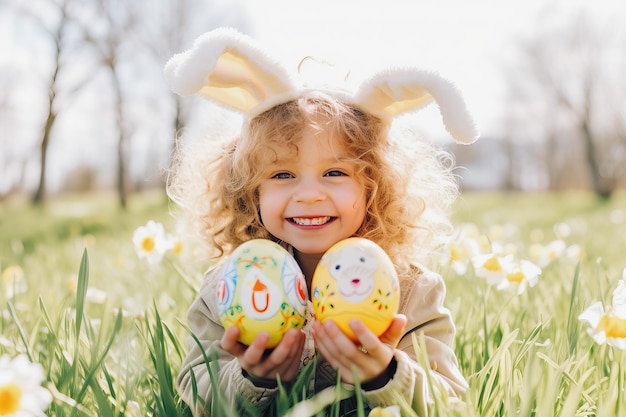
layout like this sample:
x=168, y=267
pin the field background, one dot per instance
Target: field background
x=524, y=355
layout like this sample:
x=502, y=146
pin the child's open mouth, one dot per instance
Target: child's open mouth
x=311, y=221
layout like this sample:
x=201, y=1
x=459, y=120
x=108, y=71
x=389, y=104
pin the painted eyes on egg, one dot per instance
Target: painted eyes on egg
x=361, y=259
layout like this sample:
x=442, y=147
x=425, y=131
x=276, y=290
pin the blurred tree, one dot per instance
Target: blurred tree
x=126, y=34
x=116, y=49
x=170, y=26
x=58, y=24
x=567, y=84
x=54, y=21
x=57, y=36
x=11, y=170
x=108, y=26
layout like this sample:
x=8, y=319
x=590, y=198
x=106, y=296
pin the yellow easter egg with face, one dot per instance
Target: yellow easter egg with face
x=356, y=279
x=262, y=288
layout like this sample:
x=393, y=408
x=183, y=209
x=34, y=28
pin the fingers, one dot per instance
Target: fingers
x=347, y=357
x=283, y=360
x=394, y=333
x=342, y=353
x=326, y=336
x=367, y=339
x=254, y=353
x=230, y=344
x=289, y=354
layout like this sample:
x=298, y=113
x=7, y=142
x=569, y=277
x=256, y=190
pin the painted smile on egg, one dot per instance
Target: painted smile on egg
x=360, y=288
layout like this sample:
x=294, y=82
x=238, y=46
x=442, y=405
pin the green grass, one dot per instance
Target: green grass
x=523, y=355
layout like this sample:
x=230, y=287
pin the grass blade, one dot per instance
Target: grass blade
x=81, y=292
x=572, y=322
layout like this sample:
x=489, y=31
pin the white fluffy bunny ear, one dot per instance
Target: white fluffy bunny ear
x=401, y=90
x=229, y=68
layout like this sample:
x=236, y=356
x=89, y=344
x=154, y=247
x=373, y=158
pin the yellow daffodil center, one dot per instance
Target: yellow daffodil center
x=492, y=265
x=178, y=248
x=12, y=274
x=484, y=243
x=613, y=326
x=147, y=244
x=517, y=276
x=10, y=396
x=72, y=284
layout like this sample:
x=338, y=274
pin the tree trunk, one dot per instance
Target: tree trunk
x=38, y=197
x=41, y=188
x=121, y=142
x=601, y=188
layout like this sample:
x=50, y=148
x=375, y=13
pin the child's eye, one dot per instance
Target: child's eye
x=335, y=173
x=282, y=176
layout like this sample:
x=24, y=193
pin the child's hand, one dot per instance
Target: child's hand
x=283, y=360
x=344, y=355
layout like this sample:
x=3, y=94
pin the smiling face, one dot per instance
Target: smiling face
x=353, y=268
x=310, y=196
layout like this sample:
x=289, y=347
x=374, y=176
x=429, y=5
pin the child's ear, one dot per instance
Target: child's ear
x=229, y=68
x=401, y=90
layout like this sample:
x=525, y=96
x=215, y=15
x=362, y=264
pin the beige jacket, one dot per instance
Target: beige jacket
x=421, y=300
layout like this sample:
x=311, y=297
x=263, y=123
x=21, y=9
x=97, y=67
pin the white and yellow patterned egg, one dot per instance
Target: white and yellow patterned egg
x=262, y=288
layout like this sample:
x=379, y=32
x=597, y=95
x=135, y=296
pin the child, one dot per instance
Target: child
x=314, y=165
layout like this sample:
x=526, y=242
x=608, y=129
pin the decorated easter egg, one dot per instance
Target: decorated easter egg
x=262, y=288
x=356, y=279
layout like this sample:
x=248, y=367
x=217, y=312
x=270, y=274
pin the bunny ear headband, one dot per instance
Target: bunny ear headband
x=229, y=68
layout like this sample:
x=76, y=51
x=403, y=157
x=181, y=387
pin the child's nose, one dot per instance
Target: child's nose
x=309, y=190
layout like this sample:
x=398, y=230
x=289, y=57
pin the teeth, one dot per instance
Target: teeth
x=311, y=221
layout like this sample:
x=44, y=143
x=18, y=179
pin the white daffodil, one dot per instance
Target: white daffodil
x=608, y=326
x=605, y=327
x=21, y=393
x=13, y=281
x=96, y=295
x=175, y=241
x=150, y=242
x=175, y=244
x=619, y=299
x=617, y=216
x=552, y=251
x=459, y=252
x=471, y=232
x=575, y=252
x=132, y=409
x=526, y=274
x=562, y=230
x=391, y=411
x=493, y=267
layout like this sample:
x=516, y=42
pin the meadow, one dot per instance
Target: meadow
x=108, y=328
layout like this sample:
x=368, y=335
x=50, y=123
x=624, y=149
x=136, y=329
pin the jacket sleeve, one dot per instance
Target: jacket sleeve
x=422, y=302
x=206, y=326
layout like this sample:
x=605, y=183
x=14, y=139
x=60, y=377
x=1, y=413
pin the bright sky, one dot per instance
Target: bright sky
x=465, y=41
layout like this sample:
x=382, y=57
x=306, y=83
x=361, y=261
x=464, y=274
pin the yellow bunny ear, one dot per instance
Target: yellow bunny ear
x=401, y=90
x=228, y=67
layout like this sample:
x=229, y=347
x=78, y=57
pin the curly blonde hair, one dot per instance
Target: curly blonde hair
x=409, y=184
